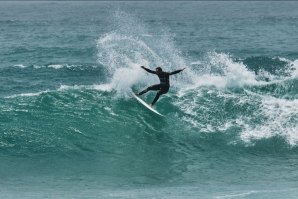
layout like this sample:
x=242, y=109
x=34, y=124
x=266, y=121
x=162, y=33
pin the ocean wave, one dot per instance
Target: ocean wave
x=20, y=66
x=98, y=87
x=56, y=66
x=218, y=94
x=240, y=117
x=27, y=94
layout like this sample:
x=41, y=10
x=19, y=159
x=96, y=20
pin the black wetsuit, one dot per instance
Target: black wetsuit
x=164, y=85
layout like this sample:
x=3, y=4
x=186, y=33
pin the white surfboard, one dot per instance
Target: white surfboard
x=146, y=105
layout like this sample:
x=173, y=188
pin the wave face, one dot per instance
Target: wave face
x=67, y=116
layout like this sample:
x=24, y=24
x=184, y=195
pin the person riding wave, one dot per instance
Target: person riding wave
x=163, y=86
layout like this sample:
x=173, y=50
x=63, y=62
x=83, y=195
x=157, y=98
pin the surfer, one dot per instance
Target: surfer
x=164, y=85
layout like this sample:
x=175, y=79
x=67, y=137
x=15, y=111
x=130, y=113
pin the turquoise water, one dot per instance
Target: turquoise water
x=69, y=127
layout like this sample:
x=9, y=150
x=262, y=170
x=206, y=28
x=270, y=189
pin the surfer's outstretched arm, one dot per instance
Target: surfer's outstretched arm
x=176, y=71
x=148, y=70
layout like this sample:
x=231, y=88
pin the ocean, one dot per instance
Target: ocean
x=69, y=127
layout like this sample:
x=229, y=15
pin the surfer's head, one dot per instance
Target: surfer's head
x=158, y=69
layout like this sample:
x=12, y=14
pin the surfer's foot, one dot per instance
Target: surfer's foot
x=137, y=94
x=151, y=105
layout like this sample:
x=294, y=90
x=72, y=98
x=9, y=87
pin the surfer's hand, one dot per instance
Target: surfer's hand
x=183, y=69
x=143, y=67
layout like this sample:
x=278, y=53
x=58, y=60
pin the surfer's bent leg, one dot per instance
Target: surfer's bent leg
x=150, y=88
x=159, y=93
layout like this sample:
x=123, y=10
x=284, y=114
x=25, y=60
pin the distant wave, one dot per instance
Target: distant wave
x=56, y=66
x=27, y=94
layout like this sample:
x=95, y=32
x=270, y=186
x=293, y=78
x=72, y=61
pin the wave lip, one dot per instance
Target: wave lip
x=20, y=66
x=27, y=94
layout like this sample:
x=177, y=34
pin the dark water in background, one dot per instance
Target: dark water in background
x=70, y=129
